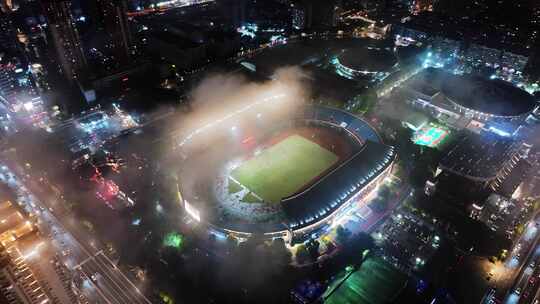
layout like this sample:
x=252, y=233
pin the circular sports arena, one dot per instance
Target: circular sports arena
x=485, y=99
x=288, y=176
x=349, y=58
x=373, y=62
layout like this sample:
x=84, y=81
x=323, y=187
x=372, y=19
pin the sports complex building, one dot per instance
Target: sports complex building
x=352, y=63
x=339, y=68
x=290, y=177
x=484, y=99
x=464, y=99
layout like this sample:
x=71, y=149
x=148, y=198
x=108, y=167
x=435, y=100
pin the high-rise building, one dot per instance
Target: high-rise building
x=236, y=11
x=315, y=13
x=111, y=24
x=298, y=18
x=8, y=36
x=532, y=69
x=18, y=91
x=7, y=84
x=324, y=13
x=65, y=37
x=299, y=14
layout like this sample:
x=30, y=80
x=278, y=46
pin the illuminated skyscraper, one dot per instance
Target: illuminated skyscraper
x=65, y=37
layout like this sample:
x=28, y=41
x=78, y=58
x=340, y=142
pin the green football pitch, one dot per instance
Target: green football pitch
x=282, y=169
x=376, y=282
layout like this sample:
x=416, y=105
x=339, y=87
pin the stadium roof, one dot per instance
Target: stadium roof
x=367, y=59
x=514, y=179
x=494, y=97
x=336, y=188
x=478, y=157
x=422, y=84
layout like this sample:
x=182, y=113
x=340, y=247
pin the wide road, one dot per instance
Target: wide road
x=525, y=259
x=536, y=298
x=104, y=281
x=109, y=281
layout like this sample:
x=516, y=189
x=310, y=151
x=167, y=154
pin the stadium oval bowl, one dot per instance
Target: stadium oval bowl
x=365, y=61
x=486, y=99
x=319, y=206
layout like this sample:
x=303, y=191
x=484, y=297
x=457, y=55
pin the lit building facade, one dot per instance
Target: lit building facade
x=112, y=22
x=298, y=14
x=65, y=37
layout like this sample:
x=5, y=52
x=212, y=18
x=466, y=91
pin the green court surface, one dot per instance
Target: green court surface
x=281, y=170
x=431, y=136
x=376, y=282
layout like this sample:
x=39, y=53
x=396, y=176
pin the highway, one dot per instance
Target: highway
x=103, y=282
x=109, y=281
x=525, y=260
x=536, y=298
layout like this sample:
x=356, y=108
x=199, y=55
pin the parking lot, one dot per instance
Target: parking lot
x=407, y=241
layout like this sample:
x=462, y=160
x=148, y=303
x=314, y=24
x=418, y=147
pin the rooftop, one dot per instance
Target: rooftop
x=495, y=97
x=367, y=59
x=478, y=157
x=512, y=182
x=340, y=185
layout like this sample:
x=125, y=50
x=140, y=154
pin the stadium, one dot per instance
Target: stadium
x=484, y=99
x=345, y=60
x=373, y=62
x=257, y=170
